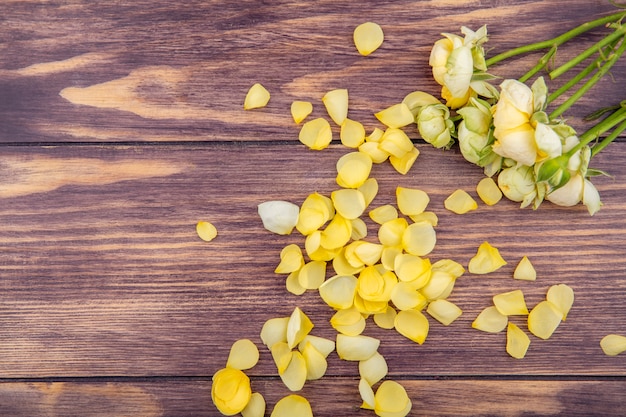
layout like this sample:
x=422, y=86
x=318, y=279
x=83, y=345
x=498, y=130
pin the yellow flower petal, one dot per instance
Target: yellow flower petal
x=440, y=285
x=369, y=189
x=395, y=142
x=359, y=229
x=562, y=297
x=367, y=395
x=427, y=216
x=293, y=284
x=396, y=116
x=412, y=269
x=517, y=342
x=449, y=266
x=402, y=164
x=418, y=99
x=282, y=355
x=292, y=406
x=490, y=320
x=356, y=348
x=383, y=214
x=316, y=134
x=613, y=344
x=488, y=191
x=206, y=231
x=300, y=110
x=352, y=133
x=299, y=325
x=279, y=217
x=373, y=369
x=460, y=202
x=315, y=211
x=337, y=233
x=444, y=311
x=338, y=291
x=243, y=355
x=315, y=361
x=353, y=169
x=386, y=319
x=375, y=284
x=368, y=37
x=411, y=201
x=336, y=103
x=349, y=203
x=391, y=400
x=405, y=297
x=374, y=151
x=230, y=391
x=323, y=345
x=486, y=260
x=390, y=233
x=342, y=266
x=294, y=376
x=255, y=407
x=413, y=325
x=543, y=319
x=349, y=322
x=291, y=259
x=257, y=96
x=369, y=253
x=388, y=257
x=312, y=275
x=274, y=331
x=525, y=270
x=313, y=248
x=419, y=238
x=511, y=303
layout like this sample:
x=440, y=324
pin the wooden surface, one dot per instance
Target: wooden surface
x=121, y=126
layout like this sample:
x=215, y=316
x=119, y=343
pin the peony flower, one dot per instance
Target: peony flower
x=435, y=126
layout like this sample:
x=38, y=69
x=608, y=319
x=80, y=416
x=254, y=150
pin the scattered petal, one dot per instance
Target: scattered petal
x=315, y=211
x=282, y=355
x=312, y=275
x=517, y=342
x=391, y=400
x=440, y=285
x=373, y=369
x=359, y=229
x=291, y=259
x=243, y=355
x=274, y=331
x=349, y=322
x=390, y=233
x=613, y=344
x=316, y=134
x=490, y=320
x=256, y=97
x=402, y=164
x=356, y=348
x=511, y=303
x=395, y=142
x=412, y=269
x=543, y=319
x=419, y=238
x=413, y=325
x=460, y=202
x=486, y=260
x=405, y=297
x=368, y=37
x=299, y=325
x=338, y=291
x=336, y=103
x=206, y=231
x=562, y=298
x=348, y=202
x=352, y=133
x=300, y=110
x=294, y=376
x=315, y=361
x=323, y=345
x=367, y=395
x=383, y=214
x=255, y=407
x=279, y=217
x=525, y=270
x=411, y=201
x=230, y=391
x=353, y=169
x=386, y=319
x=369, y=189
x=292, y=406
x=444, y=311
x=396, y=116
x=293, y=284
x=427, y=216
x=488, y=191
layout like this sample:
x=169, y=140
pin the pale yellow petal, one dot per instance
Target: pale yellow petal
x=613, y=344
x=390, y=233
x=316, y=134
x=412, y=269
x=292, y=406
x=257, y=97
x=349, y=203
x=369, y=189
x=405, y=297
x=562, y=297
x=386, y=319
x=376, y=284
x=374, y=151
x=383, y=213
x=292, y=284
x=419, y=238
x=486, y=260
x=230, y=391
x=243, y=355
x=369, y=253
x=440, y=285
x=255, y=407
x=395, y=142
x=490, y=320
x=373, y=369
x=312, y=275
x=543, y=319
x=411, y=201
x=343, y=267
x=398, y=115
x=349, y=322
x=460, y=202
x=314, y=249
x=300, y=110
x=337, y=233
x=353, y=169
x=274, y=331
x=448, y=265
x=206, y=231
x=427, y=216
x=336, y=103
x=488, y=191
x=368, y=37
x=315, y=210
x=402, y=164
x=323, y=345
x=356, y=348
x=415, y=100
x=315, y=361
x=278, y=216
x=388, y=257
x=525, y=270
x=367, y=395
x=338, y=291
x=295, y=374
x=391, y=400
x=517, y=342
x=299, y=325
x=282, y=355
x=444, y=311
x=352, y=133
x=412, y=324
x=291, y=259
x=510, y=303
x=359, y=229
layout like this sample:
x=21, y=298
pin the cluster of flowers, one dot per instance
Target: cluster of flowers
x=507, y=130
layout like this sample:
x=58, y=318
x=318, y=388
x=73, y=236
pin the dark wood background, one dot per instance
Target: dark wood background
x=121, y=126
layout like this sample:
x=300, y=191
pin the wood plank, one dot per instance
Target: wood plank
x=164, y=71
x=103, y=274
x=328, y=397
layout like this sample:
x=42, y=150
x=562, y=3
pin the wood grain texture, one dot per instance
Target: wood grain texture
x=121, y=126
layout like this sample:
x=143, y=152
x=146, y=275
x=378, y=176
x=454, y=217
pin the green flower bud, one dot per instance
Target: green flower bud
x=435, y=126
x=554, y=171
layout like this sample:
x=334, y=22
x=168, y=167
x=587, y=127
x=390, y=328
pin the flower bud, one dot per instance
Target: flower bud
x=554, y=171
x=518, y=184
x=434, y=125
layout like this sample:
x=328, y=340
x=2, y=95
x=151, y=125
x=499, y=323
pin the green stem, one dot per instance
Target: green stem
x=559, y=40
x=543, y=61
x=606, y=141
x=620, y=31
x=600, y=128
x=591, y=82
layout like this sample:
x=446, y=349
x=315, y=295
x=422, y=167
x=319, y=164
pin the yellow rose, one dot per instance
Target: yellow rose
x=230, y=391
